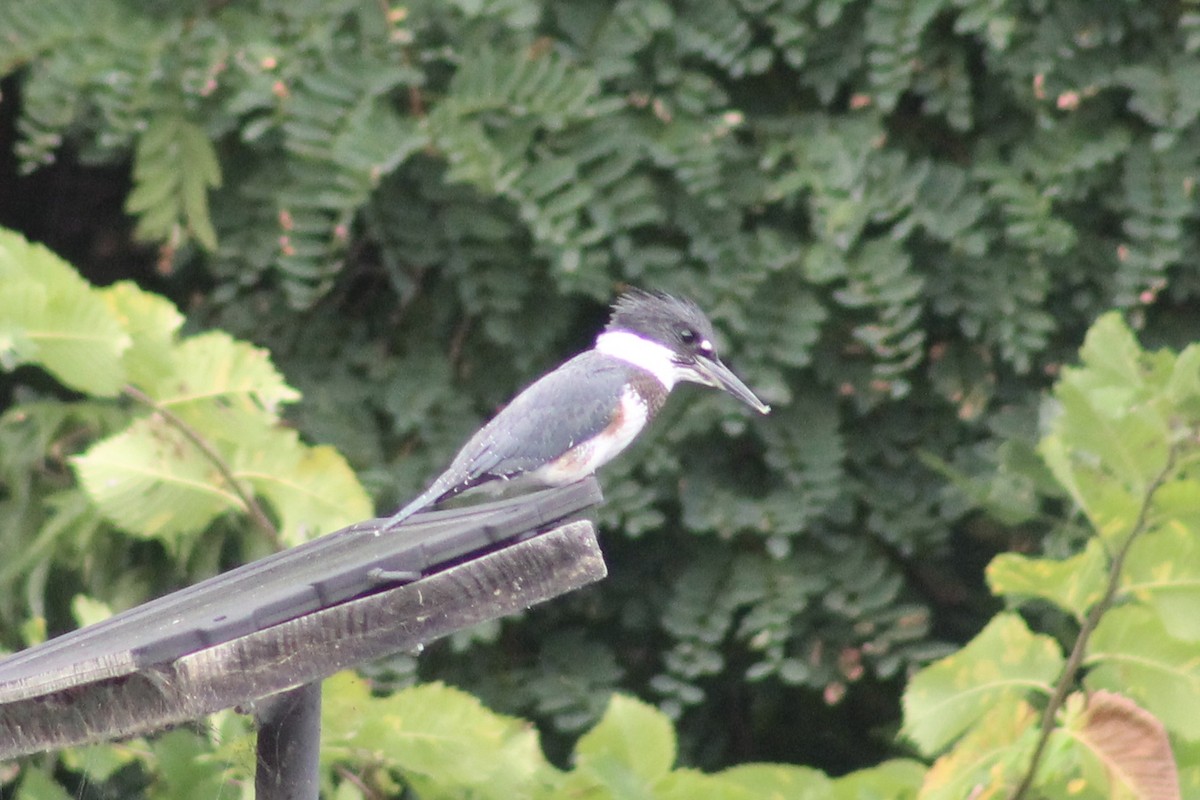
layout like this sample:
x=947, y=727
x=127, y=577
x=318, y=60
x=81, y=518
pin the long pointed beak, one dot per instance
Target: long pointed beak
x=713, y=373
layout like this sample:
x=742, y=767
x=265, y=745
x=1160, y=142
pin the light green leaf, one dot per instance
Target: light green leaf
x=630, y=749
x=1112, y=356
x=312, y=489
x=996, y=669
x=1110, y=504
x=152, y=481
x=779, y=781
x=99, y=761
x=1183, y=387
x=151, y=322
x=434, y=731
x=1132, y=653
x=186, y=766
x=223, y=387
x=686, y=784
x=1163, y=571
x=37, y=785
x=989, y=760
x=1110, y=441
x=1187, y=755
x=88, y=610
x=897, y=779
x=51, y=317
x=1129, y=440
x=1074, y=583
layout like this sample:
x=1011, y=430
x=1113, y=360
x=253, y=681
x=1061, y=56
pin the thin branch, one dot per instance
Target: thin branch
x=1075, y=661
x=253, y=508
x=367, y=791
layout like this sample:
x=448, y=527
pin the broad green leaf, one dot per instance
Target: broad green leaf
x=312, y=489
x=1183, y=387
x=897, y=779
x=223, y=387
x=1132, y=653
x=1177, y=503
x=98, y=761
x=1130, y=438
x=768, y=781
x=1163, y=571
x=51, y=317
x=989, y=760
x=1110, y=506
x=1069, y=769
x=1187, y=755
x=152, y=322
x=186, y=767
x=630, y=749
x=346, y=790
x=1074, y=583
x=37, y=785
x=434, y=731
x=1111, y=356
x=88, y=610
x=996, y=669
x=686, y=784
x=1111, y=438
x=33, y=630
x=1131, y=443
x=150, y=480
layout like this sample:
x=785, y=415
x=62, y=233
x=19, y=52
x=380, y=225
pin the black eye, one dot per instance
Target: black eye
x=688, y=336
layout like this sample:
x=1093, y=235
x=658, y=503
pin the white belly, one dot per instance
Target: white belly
x=586, y=458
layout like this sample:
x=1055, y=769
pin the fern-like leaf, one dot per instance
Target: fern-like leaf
x=895, y=29
x=174, y=167
x=1159, y=185
x=345, y=136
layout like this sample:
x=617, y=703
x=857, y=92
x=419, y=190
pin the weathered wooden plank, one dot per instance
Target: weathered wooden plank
x=318, y=574
x=307, y=648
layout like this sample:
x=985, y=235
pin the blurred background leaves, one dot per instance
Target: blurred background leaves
x=901, y=214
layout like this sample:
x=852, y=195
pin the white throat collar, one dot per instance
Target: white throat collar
x=649, y=355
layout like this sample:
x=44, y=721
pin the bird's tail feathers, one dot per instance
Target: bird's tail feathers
x=422, y=501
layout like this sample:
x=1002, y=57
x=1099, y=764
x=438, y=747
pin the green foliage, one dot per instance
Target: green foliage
x=173, y=169
x=180, y=764
x=439, y=742
x=1074, y=584
x=1133, y=652
x=903, y=216
x=1122, y=442
x=51, y=317
x=1002, y=664
x=204, y=439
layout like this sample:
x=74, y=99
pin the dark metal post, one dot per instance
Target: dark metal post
x=289, y=744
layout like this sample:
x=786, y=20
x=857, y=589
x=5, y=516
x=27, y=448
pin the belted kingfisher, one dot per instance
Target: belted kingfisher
x=571, y=421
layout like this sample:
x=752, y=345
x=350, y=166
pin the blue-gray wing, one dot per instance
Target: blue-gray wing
x=563, y=408
x=568, y=406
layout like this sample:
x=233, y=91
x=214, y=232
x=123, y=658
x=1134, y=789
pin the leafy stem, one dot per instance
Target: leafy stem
x=1075, y=661
x=253, y=508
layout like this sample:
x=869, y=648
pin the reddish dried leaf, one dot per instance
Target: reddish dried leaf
x=1133, y=745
